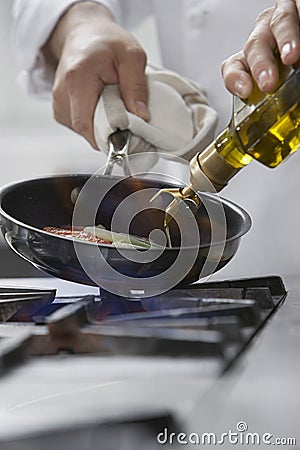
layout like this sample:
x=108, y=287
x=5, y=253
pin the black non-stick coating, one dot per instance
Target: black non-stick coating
x=26, y=207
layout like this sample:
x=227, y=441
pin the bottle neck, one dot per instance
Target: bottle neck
x=211, y=169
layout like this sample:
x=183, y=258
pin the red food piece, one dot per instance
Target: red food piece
x=76, y=232
x=72, y=228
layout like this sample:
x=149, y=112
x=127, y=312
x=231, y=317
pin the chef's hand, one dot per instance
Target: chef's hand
x=90, y=50
x=277, y=29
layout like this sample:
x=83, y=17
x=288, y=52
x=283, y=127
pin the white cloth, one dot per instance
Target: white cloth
x=181, y=123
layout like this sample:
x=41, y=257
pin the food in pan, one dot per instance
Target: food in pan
x=99, y=235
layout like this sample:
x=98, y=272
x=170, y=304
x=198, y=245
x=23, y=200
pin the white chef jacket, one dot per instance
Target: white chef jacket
x=195, y=37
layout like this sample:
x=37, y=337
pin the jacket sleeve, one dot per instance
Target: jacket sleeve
x=32, y=24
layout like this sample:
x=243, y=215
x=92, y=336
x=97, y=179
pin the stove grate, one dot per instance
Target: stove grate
x=209, y=320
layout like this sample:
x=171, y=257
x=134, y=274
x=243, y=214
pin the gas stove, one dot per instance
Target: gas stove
x=93, y=370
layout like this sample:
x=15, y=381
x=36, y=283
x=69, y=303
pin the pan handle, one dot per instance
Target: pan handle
x=119, y=142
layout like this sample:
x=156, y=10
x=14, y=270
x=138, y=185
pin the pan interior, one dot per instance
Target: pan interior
x=48, y=202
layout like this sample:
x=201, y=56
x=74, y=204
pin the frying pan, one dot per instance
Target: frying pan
x=28, y=206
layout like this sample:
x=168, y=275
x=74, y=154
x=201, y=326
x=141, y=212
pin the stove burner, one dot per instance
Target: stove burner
x=209, y=320
x=21, y=304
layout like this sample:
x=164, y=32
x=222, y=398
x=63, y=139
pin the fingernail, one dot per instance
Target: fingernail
x=141, y=110
x=286, y=49
x=263, y=80
x=240, y=89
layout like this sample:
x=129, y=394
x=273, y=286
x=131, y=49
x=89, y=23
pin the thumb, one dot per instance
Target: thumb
x=134, y=84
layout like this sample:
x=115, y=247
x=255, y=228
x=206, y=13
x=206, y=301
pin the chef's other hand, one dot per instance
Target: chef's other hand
x=276, y=29
x=90, y=50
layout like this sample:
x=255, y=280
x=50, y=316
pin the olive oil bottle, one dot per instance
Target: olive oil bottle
x=265, y=128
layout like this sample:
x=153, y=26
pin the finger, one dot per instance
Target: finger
x=285, y=27
x=237, y=79
x=133, y=81
x=259, y=52
x=84, y=90
x=61, y=110
x=60, y=101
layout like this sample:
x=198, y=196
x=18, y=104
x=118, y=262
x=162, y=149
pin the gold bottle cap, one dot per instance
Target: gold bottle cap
x=209, y=172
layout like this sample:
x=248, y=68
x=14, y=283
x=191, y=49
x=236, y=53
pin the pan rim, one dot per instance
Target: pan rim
x=247, y=222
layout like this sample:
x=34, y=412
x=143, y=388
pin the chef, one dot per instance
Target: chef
x=77, y=47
